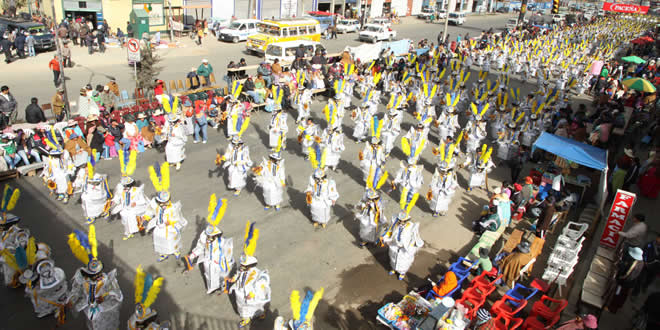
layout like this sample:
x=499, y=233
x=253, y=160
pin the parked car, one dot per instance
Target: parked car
x=375, y=32
x=348, y=25
x=44, y=39
x=442, y=14
x=427, y=12
x=381, y=21
x=457, y=18
x=239, y=30
x=503, y=9
x=285, y=51
x=557, y=18
x=512, y=23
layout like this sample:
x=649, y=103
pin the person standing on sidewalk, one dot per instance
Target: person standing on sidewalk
x=54, y=65
x=83, y=34
x=89, y=40
x=19, y=43
x=57, y=103
x=100, y=38
x=29, y=40
x=7, y=105
x=66, y=54
x=200, y=35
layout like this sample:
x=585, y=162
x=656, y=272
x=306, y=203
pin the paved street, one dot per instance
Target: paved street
x=296, y=255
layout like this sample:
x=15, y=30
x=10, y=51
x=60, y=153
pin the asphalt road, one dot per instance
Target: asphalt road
x=296, y=255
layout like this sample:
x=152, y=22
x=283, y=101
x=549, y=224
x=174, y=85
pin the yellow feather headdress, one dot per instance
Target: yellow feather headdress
x=303, y=311
x=251, y=238
x=377, y=175
x=171, y=105
x=10, y=197
x=146, y=287
x=127, y=166
x=216, y=210
x=84, y=246
x=160, y=176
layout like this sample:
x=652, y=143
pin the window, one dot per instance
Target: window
x=293, y=31
x=243, y=27
x=251, y=26
x=274, y=50
x=82, y=4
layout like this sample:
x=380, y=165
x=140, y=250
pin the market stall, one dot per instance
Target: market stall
x=577, y=153
x=415, y=312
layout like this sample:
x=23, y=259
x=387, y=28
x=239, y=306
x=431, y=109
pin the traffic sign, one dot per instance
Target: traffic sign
x=133, y=47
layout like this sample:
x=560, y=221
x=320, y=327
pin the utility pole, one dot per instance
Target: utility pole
x=169, y=3
x=249, y=15
x=67, y=108
x=444, y=33
x=332, y=6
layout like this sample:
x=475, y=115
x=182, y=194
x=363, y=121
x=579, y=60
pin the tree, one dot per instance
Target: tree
x=148, y=69
x=11, y=6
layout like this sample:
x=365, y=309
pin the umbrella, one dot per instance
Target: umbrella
x=639, y=84
x=642, y=40
x=633, y=59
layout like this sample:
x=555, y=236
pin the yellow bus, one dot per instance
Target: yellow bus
x=283, y=30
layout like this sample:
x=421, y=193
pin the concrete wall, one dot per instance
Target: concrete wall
x=116, y=12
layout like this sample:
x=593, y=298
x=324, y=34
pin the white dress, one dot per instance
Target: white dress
x=362, y=124
x=49, y=294
x=390, y=131
x=373, y=157
x=237, y=162
x=99, y=316
x=217, y=258
x=335, y=145
x=167, y=224
x=324, y=194
x=252, y=291
x=176, y=141
x=443, y=188
x=372, y=220
x=130, y=205
x=271, y=179
x=409, y=179
x=307, y=134
x=277, y=128
x=94, y=198
x=58, y=169
x=403, y=241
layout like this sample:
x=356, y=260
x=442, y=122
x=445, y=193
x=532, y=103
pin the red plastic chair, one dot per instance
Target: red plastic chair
x=505, y=322
x=550, y=316
x=483, y=279
x=481, y=291
x=501, y=306
x=472, y=303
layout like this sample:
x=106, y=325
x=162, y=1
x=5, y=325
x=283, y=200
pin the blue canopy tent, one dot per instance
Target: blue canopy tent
x=577, y=152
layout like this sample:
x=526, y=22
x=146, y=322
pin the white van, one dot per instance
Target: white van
x=457, y=18
x=239, y=30
x=285, y=51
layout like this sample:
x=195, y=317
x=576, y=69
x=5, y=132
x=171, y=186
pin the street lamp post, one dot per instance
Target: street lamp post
x=67, y=108
x=444, y=33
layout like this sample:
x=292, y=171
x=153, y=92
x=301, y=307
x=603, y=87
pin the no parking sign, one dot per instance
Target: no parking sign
x=133, y=48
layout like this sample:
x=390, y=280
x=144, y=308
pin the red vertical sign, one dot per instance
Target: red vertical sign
x=616, y=219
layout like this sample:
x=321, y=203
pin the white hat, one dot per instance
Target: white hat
x=636, y=253
x=212, y=230
x=246, y=260
x=403, y=215
x=205, y=61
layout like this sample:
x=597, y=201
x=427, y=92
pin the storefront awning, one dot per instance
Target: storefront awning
x=573, y=151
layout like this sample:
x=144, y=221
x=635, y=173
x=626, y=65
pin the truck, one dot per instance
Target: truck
x=44, y=39
x=375, y=32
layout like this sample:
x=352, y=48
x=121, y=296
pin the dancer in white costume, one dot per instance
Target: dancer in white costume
x=444, y=182
x=129, y=201
x=321, y=192
x=270, y=176
x=251, y=285
x=47, y=289
x=403, y=240
x=308, y=133
x=93, y=292
x=95, y=198
x=236, y=159
x=277, y=128
x=175, y=149
x=479, y=168
x=165, y=218
x=213, y=250
x=333, y=140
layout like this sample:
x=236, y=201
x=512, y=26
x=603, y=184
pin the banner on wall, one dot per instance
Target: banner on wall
x=288, y=8
x=625, y=8
x=616, y=220
x=156, y=16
